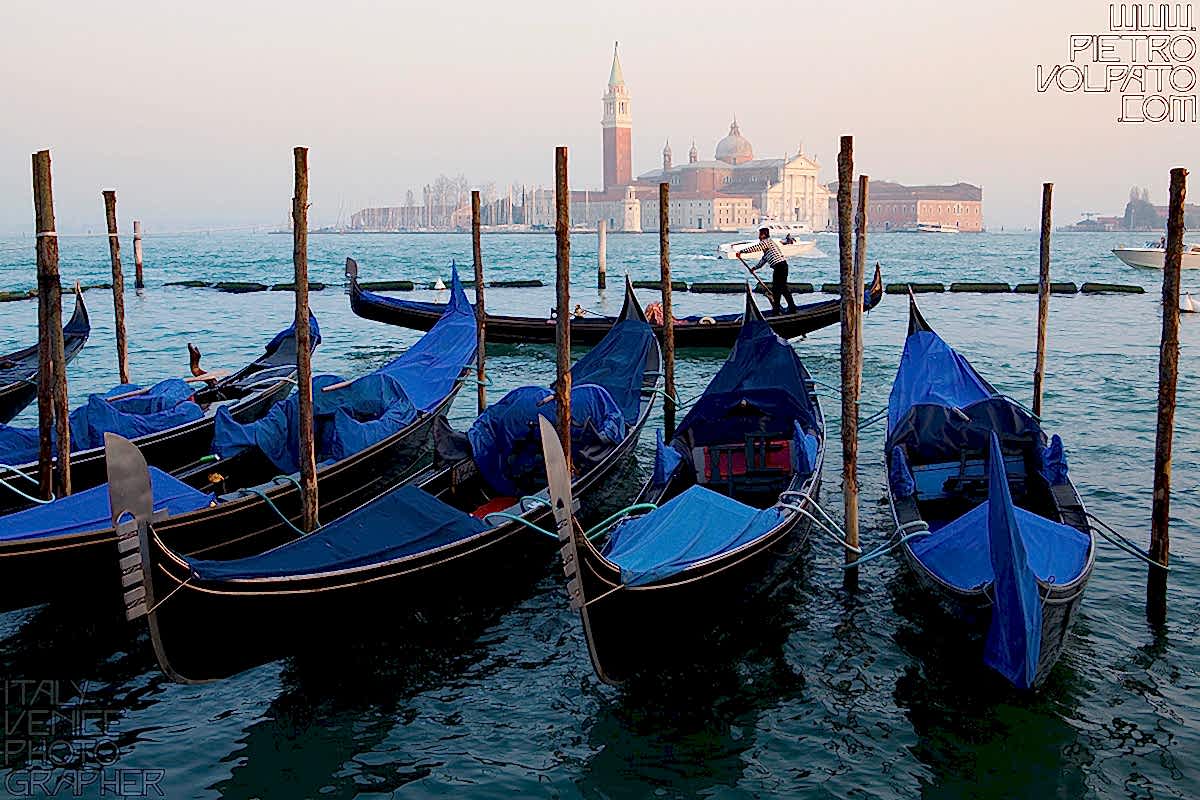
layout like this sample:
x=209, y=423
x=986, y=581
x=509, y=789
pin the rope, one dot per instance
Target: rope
x=889, y=546
x=871, y=420
x=17, y=491
x=603, y=526
x=532, y=498
x=835, y=533
x=294, y=481
x=1123, y=543
x=263, y=496
x=828, y=386
x=170, y=594
x=517, y=518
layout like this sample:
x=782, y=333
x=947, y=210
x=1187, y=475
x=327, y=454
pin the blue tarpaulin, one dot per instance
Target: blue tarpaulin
x=691, y=527
x=999, y=544
x=314, y=334
x=618, y=363
x=932, y=373
x=507, y=446
x=760, y=389
x=666, y=460
x=163, y=406
x=89, y=510
x=402, y=522
x=369, y=409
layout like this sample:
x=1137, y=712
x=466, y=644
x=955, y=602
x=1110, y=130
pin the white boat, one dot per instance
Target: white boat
x=777, y=230
x=1187, y=305
x=933, y=227
x=1152, y=257
x=798, y=247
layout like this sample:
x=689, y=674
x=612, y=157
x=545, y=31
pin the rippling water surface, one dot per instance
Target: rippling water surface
x=824, y=694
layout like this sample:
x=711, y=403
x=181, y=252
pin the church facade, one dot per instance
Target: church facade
x=733, y=190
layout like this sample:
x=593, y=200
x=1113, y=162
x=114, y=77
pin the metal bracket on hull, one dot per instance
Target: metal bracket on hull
x=563, y=505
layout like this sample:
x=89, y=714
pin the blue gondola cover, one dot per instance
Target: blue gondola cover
x=507, y=447
x=400, y=523
x=760, y=389
x=691, y=527
x=666, y=460
x=372, y=407
x=618, y=363
x=999, y=544
x=163, y=406
x=89, y=510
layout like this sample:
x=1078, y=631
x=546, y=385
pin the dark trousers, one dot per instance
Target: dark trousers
x=780, y=289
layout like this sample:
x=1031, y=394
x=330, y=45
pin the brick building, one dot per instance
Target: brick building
x=893, y=206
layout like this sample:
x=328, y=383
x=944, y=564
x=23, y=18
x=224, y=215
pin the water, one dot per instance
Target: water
x=831, y=695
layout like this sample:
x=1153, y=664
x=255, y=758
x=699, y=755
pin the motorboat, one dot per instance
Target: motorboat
x=793, y=249
x=777, y=229
x=1152, y=256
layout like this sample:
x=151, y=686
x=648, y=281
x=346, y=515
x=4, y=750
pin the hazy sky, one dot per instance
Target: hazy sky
x=190, y=110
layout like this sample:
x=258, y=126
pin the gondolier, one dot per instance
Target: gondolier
x=773, y=256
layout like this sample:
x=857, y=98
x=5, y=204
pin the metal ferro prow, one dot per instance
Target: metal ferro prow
x=559, y=480
x=132, y=502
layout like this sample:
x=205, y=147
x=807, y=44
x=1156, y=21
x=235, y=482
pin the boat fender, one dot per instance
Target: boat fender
x=707, y=321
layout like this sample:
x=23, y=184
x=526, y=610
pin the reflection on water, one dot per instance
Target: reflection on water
x=817, y=692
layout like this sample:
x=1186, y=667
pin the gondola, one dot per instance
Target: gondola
x=371, y=433
x=693, y=331
x=171, y=421
x=19, y=369
x=734, y=495
x=467, y=521
x=987, y=518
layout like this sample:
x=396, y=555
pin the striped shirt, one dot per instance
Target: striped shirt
x=771, y=254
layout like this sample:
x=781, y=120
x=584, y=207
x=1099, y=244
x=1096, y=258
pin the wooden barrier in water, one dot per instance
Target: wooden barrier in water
x=139, y=280
x=118, y=283
x=480, y=307
x=307, y=454
x=1043, y=317
x=53, y=409
x=562, y=284
x=668, y=327
x=1168, y=374
x=851, y=346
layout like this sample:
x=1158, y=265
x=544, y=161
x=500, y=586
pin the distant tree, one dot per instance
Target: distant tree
x=410, y=199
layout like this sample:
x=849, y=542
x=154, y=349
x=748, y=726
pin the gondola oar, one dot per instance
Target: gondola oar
x=765, y=289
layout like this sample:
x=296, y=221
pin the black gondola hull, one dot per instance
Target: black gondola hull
x=18, y=393
x=60, y=567
x=586, y=331
x=639, y=631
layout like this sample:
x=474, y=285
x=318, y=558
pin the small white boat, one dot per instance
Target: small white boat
x=933, y=227
x=777, y=230
x=1153, y=257
x=798, y=247
x=1187, y=305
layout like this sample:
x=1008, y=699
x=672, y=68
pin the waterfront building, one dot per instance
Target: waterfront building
x=894, y=206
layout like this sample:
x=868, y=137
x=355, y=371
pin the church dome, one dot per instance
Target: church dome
x=734, y=148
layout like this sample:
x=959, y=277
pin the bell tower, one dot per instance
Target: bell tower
x=617, y=127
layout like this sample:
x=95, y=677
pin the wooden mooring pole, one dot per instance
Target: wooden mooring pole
x=668, y=328
x=118, y=283
x=480, y=307
x=1039, y=369
x=851, y=347
x=52, y=368
x=1168, y=369
x=562, y=283
x=602, y=254
x=139, y=281
x=308, y=458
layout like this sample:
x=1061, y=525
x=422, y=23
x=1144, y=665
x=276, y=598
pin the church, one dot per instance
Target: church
x=733, y=190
